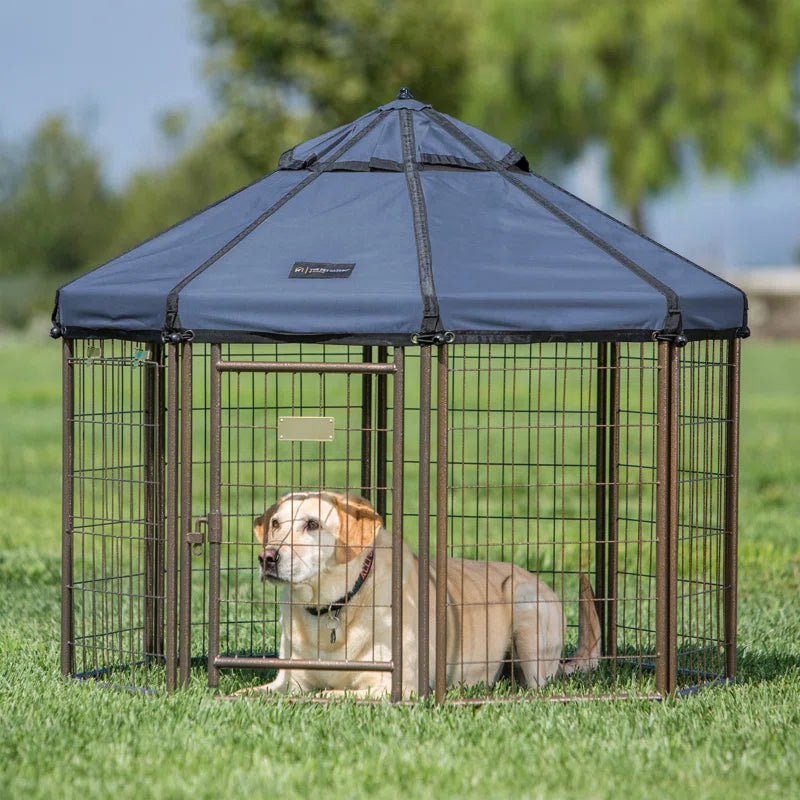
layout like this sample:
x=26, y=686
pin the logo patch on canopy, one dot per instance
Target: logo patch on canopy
x=316, y=269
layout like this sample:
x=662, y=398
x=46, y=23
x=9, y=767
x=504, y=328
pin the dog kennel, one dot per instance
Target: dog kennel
x=403, y=311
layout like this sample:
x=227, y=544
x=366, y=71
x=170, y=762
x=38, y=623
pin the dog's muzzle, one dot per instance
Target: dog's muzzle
x=268, y=559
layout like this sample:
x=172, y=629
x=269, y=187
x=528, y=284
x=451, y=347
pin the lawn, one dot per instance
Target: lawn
x=64, y=739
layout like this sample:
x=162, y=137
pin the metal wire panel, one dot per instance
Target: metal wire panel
x=522, y=472
x=552, y=467
x=614, y=461
x=631, y=649
x=115, y=578
x=196, y=404
x=555, y=463
x=703, y=475
x=272, y=403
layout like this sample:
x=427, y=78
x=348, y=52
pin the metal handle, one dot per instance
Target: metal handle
x=197, y=538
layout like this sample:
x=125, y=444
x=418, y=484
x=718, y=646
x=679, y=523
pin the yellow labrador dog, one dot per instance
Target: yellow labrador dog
x=332, y=557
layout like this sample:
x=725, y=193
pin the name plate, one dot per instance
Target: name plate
x=305, y=429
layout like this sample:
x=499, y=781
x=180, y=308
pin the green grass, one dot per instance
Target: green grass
x=64, y=739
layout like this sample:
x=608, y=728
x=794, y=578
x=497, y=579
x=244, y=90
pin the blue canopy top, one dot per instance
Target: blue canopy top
x=404, y=225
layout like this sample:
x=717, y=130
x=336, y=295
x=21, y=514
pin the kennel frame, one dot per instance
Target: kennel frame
x=167, y=420
x=455, y=244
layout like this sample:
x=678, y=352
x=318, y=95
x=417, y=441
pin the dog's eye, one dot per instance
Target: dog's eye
x=312, y=525
x=275, y=523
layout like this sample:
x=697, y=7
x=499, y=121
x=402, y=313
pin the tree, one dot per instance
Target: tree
x=56, y=212
x=289, y=68
x=645, y=78
x=56, y=216
x=203, y=170
x=648, y=80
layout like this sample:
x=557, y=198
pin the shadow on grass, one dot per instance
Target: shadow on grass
x=755, y=666
x=629, y=679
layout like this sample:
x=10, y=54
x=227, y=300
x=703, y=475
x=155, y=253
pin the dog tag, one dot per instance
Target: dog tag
x=333, y=622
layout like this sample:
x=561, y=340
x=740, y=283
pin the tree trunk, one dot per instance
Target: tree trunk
x=637, y=216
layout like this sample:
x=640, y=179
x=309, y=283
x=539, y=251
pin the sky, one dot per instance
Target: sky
x=115, y=65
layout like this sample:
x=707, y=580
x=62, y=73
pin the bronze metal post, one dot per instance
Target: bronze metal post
x=173, y=518
x=185, y=628
x=151, y=527
x=674, y=488
x=614, y=380
x=159, y=413
x=731, y=507
x=423, y=633
x=666, y=521
x=398, y=460
x=662, y=522
x=366, y=428
x=381, y=449
x=441, y=522
x=601, y=487
x=67, y=485
x=214, y=518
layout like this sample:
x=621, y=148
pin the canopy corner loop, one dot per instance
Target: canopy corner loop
x=437, y=338
x=176, y=336
x=678, y=339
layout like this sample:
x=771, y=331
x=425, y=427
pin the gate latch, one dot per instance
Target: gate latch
x=197, y=538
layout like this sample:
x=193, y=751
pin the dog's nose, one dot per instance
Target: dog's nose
x=268, y=558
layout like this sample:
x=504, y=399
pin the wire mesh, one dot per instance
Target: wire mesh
x=261, y=462
x=702, y=525
x=552, y=465
x=117, y=521
x=632, y=596
x=522, y=489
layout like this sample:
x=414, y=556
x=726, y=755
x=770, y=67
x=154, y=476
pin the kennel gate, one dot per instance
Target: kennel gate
x=292, y=430
x=614, y=459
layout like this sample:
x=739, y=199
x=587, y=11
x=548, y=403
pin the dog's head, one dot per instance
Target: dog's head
x=306, y=533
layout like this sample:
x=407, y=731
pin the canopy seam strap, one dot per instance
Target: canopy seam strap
x=672, y=324
x=430, y=303
x=171, y=322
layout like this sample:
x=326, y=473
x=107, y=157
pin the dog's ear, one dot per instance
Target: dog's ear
x=261, y=525
x=358, y=524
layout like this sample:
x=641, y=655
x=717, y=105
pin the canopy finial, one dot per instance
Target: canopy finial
x=405, y=94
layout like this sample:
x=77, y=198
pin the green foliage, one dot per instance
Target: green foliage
x=30, y=292
x=154, y=199
x=58, y=218
x=317, y=64
x=645, y=79
x=55, y=209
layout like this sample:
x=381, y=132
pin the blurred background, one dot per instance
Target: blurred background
x=118, y=119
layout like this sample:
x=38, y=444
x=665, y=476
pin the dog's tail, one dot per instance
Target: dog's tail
x=587, y=656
